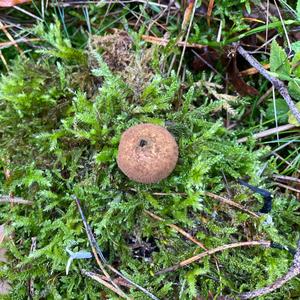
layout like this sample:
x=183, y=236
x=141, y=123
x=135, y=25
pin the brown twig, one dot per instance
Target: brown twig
x=212, y=251
x=186, y=26
x=178, y=229
x=209, y=11
x=183, y=232
x=231, y=203
x=164, y=42
x=4, y=61
x=292, y=272
x=252, y=71
x=11, y=199
x=120, y=281
x=9, y=36
x=98, y=278
x=287, y=187
x=217, y=197
x=278, y=84
x=21, y=40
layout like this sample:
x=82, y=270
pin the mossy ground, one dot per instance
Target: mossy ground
x=62, y=112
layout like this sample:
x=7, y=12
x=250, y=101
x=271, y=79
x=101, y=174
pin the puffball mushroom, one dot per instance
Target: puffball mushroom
x=147, y=153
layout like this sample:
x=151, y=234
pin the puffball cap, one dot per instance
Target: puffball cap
x=147, y=153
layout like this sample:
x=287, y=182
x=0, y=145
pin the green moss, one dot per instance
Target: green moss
x=60, y=124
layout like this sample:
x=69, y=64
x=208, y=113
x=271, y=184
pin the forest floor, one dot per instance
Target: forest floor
x=222, y=76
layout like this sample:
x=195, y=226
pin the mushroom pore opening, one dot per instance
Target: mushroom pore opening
x=143, y=143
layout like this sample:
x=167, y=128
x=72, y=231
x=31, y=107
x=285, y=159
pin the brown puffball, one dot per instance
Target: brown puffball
x=147, y=153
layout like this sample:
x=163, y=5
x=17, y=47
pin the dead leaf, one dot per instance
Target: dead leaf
x=236, y=79
x=10, y=3
x=204, y=58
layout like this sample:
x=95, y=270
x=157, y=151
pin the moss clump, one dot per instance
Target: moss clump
x=59, y=136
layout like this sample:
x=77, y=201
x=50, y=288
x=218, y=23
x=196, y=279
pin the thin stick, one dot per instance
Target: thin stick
x=267, y=21
x=97, y=278
x=164, y=42
x=2, y=235
x=165, y=194
x=268, y=132
x=4, y=61
x=207, y=63
x=278, y=84
x=275, y=113
x=289, y=165
x=209, y=11
x=212, y=251
x=285, y=178
x=292, y=272
x=133, y=283
x=253, y=71
x=6, y=26
x=287, y=187
x=2, y=27
x=18, y=200
x=178, y=229
x=21, y=40
x=24, y=11
x=184, y=233
x=189, y=17
x=119, y=281
x=155, y=19
x=283, y=26
x=95, y=247
x=232, y=203
x=220, y=198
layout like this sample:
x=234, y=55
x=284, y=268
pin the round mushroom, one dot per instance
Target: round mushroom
x=147, y=153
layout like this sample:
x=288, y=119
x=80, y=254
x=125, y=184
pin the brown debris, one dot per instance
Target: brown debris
x=116, y=49
x=118, y=53
x=236, y=79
